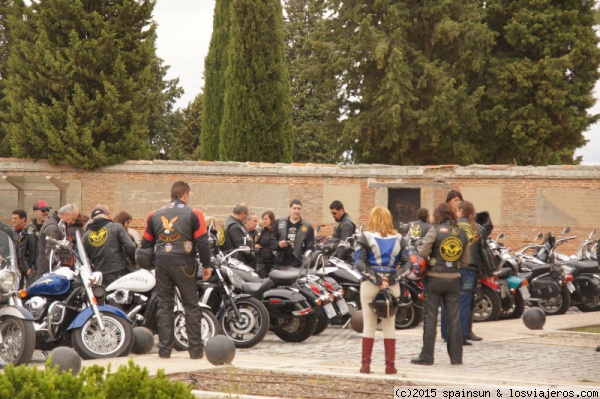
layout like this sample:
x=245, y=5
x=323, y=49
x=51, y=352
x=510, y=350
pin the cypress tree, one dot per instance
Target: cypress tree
x=540, y=81
x=215, y=65
x=257, y=106
x=82, y=81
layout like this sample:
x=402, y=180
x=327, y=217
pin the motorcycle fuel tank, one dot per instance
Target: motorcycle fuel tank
x=138, y=281
x=51, y=284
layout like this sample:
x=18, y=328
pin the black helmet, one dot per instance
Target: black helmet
x=144, y=257
x=385, y=304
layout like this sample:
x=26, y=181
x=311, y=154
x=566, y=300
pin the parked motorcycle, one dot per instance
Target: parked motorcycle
x=291, y=315
x=17, y=333
x=242, y=318
x=550, y=285
x=135, y=294
x=65, y=309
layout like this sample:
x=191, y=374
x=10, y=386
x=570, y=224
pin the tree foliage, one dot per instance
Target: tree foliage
x=257, y=104
x=539, y=81
x=83, y=80
x=187, y=138
x=315, y=103
x=215, y=65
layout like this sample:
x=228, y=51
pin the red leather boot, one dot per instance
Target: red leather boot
x=367, y=349
x=390, y=356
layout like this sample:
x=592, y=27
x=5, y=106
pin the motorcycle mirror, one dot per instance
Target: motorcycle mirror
x=62, y=227
x=566, y=230
x=592, y=233
x=500, y=236
x=540, y=235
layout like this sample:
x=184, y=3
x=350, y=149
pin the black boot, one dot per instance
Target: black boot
x=471, y=335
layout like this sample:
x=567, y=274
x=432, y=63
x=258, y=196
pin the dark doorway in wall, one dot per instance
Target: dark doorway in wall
x=404, y=203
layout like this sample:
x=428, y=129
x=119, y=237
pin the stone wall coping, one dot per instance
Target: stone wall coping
x=436, y=172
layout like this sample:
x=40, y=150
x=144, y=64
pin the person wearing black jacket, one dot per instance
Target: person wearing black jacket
x=108, y=246
x=265, y=256
x=421, y=226
x=235, y=234
x=446, y=247
x=19, y=220
x=292, y=237
x=178, y=232
x=344, y=228
x=68, y=214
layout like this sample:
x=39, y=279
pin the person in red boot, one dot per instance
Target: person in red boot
x=380, y=252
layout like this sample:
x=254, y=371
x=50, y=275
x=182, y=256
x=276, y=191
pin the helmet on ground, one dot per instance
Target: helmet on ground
x=356, y=320
x=385, y=304
x=144, y=257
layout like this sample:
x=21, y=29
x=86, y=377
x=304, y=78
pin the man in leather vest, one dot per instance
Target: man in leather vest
x=68, y=214
x=177, y=232
x=236, y=235
x=108, y=246
x=344, y=228
x=291, y=237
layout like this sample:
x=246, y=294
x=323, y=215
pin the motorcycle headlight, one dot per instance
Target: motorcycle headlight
x=7, y=280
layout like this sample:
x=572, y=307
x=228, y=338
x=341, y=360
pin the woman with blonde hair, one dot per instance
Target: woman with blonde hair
x=380, y=251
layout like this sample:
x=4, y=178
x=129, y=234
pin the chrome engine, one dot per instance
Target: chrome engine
x=120, y=297
x=36, y=306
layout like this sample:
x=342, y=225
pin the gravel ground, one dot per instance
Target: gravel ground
x=236, y=381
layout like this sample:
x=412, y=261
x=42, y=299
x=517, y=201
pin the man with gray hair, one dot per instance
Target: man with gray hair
x=235, y=234
x=68, y=214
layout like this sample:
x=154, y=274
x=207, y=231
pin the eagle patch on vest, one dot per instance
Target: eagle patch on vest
x=451, y=249
x=97, y=238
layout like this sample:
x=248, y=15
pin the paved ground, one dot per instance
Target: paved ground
x=509, y=355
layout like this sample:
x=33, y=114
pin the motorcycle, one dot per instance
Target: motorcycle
x=514, y=290
x=135, y=294
x=487, y=300
x=291, y=316
x=242, y=318
x=551, y=286
x=65, y=310
x=17, y=333
x=586, y=275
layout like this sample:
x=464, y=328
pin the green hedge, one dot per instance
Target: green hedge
x=129, y=382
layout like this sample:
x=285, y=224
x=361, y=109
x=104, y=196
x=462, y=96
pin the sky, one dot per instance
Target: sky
x=183, y=37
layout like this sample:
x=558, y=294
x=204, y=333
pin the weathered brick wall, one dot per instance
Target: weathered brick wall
x=522, y=200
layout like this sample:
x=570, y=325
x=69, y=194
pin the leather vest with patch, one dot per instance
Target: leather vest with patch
x=447, y=250
x=172, y=227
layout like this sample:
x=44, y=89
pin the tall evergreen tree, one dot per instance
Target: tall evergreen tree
x=410, y=71
x=215, y=65
x=257, y=106
x=315, y=103
x=190, y=131
x=540, y=81
x=82, y=81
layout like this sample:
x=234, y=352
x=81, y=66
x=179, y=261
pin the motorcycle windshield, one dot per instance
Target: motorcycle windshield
x=85, y=263
x=8, y=259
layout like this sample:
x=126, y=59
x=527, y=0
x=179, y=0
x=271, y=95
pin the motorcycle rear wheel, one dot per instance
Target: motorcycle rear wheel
x=18, y=341
x=558, y=304
x=116, y=340
x=322, y=321
x=251, y=329
x=409, y=316
x=488, y=306
x=210, y=328
x=299, y=329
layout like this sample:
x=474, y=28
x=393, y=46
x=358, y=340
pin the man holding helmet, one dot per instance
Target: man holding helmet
x=380, y=252
x=177, y=232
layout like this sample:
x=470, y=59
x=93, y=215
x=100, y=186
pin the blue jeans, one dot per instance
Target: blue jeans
x=468, y=279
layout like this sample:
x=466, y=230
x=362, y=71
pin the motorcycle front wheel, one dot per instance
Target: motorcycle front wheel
x=558, y=304
x=92, y=343
x=299, y=328
x=409, y=316
x=516, y=308
x=17, y=340
x=488, y=306
x=252, y=326
x=210, y=328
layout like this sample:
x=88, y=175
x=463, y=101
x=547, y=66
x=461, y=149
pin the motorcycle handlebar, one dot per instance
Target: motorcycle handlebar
x=60, y=243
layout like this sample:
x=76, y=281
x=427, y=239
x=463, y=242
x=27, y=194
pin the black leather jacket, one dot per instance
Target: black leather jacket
x=343, y=229
x=108, y=246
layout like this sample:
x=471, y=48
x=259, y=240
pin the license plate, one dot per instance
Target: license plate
x=329, y=310
x=570, y=286
x=342, y=306
x=525, y=292
x=503, y=291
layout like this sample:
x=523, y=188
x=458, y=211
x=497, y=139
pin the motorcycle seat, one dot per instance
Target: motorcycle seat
x=585, y=266
x=257, y=289
x=284, y=277
x=536, y=269
x=505, y=272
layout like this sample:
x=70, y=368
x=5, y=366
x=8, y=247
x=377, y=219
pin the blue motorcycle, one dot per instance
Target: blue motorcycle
x=64, y=306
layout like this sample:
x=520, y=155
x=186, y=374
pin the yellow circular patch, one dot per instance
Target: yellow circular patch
x=98, y=237
x=451, y=249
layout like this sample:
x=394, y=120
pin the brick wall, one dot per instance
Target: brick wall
x=522, y=200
